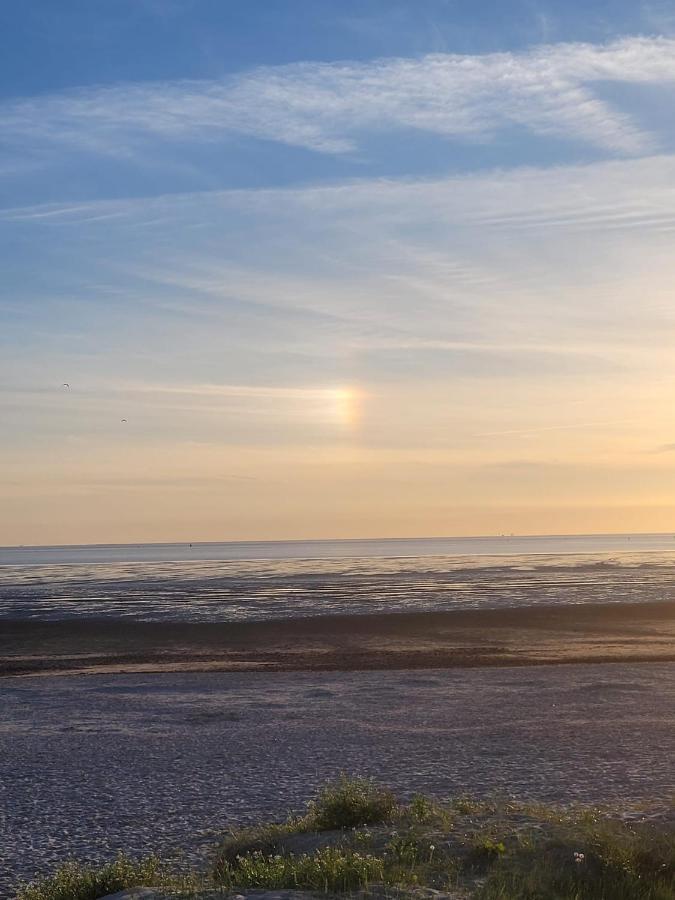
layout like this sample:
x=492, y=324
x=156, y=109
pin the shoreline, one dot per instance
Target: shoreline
x=475, y=638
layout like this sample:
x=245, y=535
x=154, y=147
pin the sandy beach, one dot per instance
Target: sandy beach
x=166, y=762
x=592, y=633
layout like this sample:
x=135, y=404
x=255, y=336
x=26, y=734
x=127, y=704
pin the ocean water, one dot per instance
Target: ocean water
x=269, y=580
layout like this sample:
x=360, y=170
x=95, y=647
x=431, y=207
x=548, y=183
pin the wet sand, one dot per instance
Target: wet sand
x=589, y=633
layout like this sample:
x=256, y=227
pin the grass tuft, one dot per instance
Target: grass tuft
x=331, y=870
x=352, y=803
x=73, y=881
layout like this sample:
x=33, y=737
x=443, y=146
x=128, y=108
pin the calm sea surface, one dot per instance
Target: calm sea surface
x=266, y=580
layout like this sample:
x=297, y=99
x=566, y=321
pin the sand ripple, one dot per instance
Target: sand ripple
x=95, y=764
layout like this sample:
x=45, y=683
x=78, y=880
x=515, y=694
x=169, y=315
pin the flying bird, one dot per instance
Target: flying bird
x=122, y=420
x=65, y=385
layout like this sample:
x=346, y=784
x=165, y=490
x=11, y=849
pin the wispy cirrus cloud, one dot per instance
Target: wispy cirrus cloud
x=628, y=195
x=499, y=313
x=551, y=90
x=364, y=259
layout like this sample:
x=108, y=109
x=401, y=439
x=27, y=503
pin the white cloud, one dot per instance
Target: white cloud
x=632, y=194
x=556, y=271
x=245, y=391
x=550, y=90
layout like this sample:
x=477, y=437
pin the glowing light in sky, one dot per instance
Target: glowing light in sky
x=346, y=406
x=332, y=406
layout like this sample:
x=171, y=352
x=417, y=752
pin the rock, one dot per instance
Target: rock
x=376, y=892
x=139, y=893
x=277, y=895
x=157, y=894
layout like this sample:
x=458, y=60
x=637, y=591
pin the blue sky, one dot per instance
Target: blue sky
x=54, y=49
x=65, y=45
x=345, y=269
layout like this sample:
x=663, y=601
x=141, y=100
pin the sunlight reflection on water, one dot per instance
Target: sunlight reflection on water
x=255, y=589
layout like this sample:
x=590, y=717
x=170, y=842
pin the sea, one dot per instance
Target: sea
x=254, y=581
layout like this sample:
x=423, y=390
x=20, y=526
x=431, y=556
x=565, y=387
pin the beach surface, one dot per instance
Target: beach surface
x=164, y=763
x=524, y=636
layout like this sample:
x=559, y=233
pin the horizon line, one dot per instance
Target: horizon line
x=359, y=540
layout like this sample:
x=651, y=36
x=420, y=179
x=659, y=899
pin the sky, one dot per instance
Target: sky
x=333, y=269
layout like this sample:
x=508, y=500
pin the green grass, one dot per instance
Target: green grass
x=586, y=856
x=355, y=835
x=329, y=870
x=557, y=874
x=352, y=803
x=73, y=881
